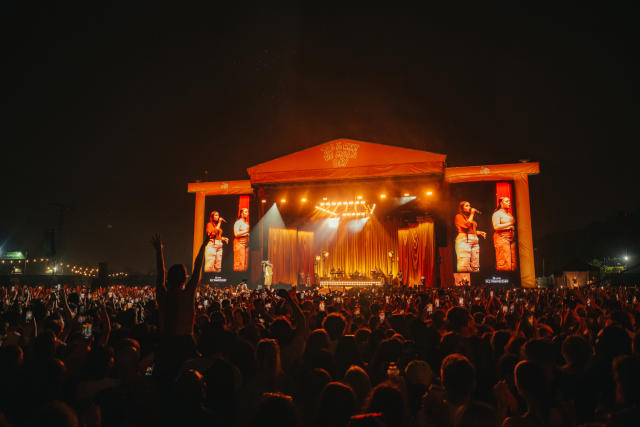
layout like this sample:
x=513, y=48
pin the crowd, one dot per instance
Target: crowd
x=179, y=353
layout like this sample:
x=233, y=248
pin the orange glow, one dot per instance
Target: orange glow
x=283, y=200
x=303, y=200
x=264, y=201
x=383, y=196
x=429, y=193
x=359, y=197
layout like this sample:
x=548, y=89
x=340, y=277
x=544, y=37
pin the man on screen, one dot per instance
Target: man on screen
x=241, y=241
x=213, y=251
x=467, y=245
x=503, y=236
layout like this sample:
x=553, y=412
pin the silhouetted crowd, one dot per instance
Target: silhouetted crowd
x=182, y=354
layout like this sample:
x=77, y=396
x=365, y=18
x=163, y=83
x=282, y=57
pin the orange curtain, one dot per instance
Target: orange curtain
x=355, y=247
x=416, y=247
x=282, y=248
x=291, y=253
x=304, y=257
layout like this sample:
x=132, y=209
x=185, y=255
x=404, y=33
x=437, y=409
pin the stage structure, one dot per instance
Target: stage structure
x=351, y=213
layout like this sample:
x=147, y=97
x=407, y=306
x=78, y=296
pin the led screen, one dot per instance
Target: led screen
x=484, y=232
x=227, y=236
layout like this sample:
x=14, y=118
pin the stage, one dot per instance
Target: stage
x=356, y=207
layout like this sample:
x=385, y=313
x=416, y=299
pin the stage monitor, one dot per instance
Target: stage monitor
x=484, y=237
x=227, y=235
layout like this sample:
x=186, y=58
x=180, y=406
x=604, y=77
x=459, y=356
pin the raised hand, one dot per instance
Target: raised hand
x=156, y=241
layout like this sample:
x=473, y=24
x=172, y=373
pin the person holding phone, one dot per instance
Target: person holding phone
x=467, y=243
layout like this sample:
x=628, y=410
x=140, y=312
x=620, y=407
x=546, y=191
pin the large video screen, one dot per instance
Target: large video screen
x=484, y=233
x=227, y=233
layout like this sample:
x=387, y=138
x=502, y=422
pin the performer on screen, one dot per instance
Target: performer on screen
x=213, y=251
x=467, y=245
x=503, y=236
x=241, y=241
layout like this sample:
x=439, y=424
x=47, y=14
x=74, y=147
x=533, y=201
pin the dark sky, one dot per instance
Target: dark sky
x=114, y=109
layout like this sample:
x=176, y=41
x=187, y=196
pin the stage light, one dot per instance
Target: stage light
x=372, y=209
x=359, y=197
x=626, y=258
x=303, y=200
x=321, y=203
x=264, y=201
x=339, y=203
x=351, y=202
x=333, y=203
x=283, y=200
x=383, y=196
x=429, y=193
x=406, y=194
x=362, y=202
x=324, y=198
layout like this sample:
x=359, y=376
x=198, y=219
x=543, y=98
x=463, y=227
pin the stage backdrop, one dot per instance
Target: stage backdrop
x=359, y=246
x=416, y=252
x=290, y=252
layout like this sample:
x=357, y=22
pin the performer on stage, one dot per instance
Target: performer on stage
x=503, y=236
x=467, y=245
x=213, y=251
x=267, y=271
x=241, y=241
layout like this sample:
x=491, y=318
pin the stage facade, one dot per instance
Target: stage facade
x=352, y=213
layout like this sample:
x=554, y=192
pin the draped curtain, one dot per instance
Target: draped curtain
x=291, y=253
x=304, y=256
x=359, y=246
x=416, y=247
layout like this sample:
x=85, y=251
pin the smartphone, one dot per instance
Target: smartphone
x=437, y=301
x=28, y=315
x=461, y=301
x=87, y=330
x=491, y=294
x=504, y=308
x=430, y=308
x=382, y=317
x=386, y=299
x=149, y=371
x=205, y=303
x=321, y=307
x=58, y=287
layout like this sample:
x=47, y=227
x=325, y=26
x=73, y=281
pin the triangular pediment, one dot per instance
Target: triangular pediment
x=347, y=159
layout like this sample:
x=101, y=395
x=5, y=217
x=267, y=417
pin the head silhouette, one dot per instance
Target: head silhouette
x=176, y=276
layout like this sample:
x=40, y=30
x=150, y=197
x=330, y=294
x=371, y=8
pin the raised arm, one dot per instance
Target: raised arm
x=197, y=268
x=156, y=241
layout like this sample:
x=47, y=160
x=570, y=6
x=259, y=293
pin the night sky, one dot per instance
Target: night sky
x=112, y=110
